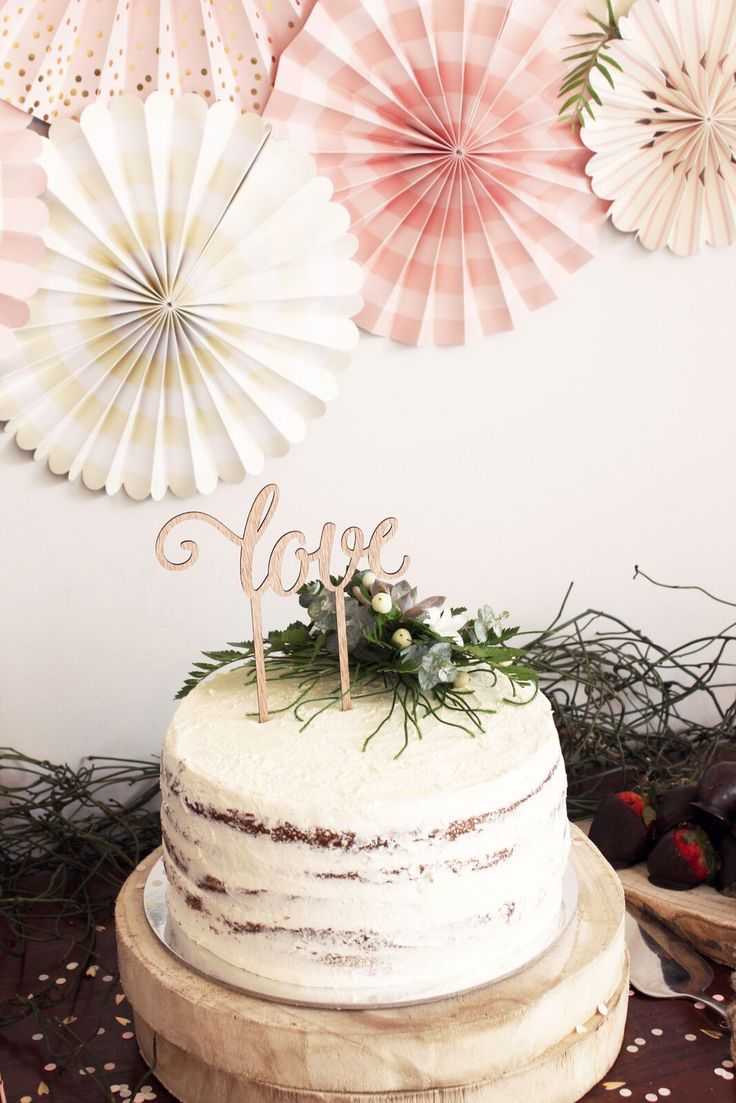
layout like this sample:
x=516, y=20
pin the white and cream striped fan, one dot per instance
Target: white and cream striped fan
x=195, y=300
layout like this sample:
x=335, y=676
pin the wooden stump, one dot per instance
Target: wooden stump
x=516, y=1040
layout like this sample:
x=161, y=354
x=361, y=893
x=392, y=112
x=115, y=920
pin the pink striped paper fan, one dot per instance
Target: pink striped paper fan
x=438, y=124
x=664, y=137
x=22, y=217
x=58, y=56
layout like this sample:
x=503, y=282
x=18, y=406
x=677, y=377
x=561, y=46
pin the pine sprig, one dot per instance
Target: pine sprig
x=239, y=652
x=577, y=91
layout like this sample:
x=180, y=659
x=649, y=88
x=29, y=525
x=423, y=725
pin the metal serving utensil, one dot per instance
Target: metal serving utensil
x=664, y=966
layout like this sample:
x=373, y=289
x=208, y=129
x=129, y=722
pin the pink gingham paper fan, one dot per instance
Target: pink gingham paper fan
x=58, y=56
x=438, y=125
x=22, y=217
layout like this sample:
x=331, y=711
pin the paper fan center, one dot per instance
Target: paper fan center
x=694, y=113
x=461, y=147
x=167, y=305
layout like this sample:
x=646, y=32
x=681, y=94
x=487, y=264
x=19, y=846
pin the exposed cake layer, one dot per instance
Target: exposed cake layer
x=298, y=856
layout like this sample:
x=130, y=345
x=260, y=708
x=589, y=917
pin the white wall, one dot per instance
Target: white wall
x=598, y=435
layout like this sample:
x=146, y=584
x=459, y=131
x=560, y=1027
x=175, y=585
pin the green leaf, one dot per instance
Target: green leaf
x=568, y=104
x=605, y=27
x=601, y=68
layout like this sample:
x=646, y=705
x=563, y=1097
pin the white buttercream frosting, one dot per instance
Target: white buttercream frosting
x=297, y=855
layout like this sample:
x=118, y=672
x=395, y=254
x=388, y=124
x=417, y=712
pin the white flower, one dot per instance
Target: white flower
x=446, y=624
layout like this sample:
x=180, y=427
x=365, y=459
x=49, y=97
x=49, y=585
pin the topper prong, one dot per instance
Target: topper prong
x=342, y=649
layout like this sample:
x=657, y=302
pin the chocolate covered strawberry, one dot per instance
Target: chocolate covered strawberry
x=676, y=806
x=682, y=859
x=716, y=798
x=622, y=828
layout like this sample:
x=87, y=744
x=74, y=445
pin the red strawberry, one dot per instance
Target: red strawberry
x=622, y=828
x=682, y=859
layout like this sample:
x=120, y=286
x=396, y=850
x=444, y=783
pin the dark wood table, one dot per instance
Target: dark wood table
x=77, y=1043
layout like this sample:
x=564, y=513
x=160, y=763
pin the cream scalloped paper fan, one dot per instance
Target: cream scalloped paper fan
x=22, y=217
x=664, y=137
x=194, y=303
x=438, y=123
x=56, y=56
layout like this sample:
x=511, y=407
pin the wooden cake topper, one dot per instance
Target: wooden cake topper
x=352, y=544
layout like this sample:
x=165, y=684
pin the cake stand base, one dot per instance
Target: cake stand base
x=549, y=1032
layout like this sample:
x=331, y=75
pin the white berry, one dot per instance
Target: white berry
x=401, y=638
x=368, y=578
x=381, y=603
x=462, y=680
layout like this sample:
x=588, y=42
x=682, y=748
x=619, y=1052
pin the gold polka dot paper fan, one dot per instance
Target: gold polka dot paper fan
x=58, y=56
x=195, y=299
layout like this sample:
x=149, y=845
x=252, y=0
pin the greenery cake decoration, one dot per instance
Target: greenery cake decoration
x=419, y=655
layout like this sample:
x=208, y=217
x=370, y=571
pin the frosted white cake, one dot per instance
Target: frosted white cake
x=299, y=857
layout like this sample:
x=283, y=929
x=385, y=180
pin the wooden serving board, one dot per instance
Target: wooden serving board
x=701, y=916
x=508, y=1043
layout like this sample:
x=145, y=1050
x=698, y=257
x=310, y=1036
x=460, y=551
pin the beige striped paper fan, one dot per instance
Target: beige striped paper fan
x=195, y=300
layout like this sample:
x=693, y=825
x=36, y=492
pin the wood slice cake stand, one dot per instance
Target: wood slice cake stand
x=550, y=1032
